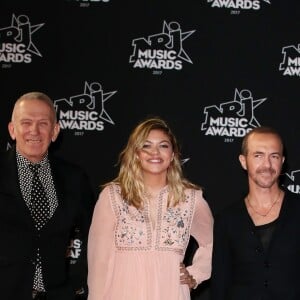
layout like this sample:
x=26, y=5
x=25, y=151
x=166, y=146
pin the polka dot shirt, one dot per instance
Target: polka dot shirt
x=40, y=217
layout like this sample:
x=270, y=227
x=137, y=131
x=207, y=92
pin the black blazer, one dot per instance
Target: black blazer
x=20, y=239
x=242, y=269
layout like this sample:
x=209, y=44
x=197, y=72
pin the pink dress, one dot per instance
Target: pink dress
x=130, y=258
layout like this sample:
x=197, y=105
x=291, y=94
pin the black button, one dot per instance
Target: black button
x=267, y=265
x=266, y=283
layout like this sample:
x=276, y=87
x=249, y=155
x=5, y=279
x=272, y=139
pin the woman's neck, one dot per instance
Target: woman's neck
x=154, y=185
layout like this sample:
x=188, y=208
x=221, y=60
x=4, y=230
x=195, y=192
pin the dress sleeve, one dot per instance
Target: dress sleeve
x=101, y=247
x=202, y=231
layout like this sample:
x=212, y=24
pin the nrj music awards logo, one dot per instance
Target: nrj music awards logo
x=234, y=118
x=16, y=41
x=290, y=64
x=86, y=111
x=292, y=181
x=161, y=51
x=238, y=4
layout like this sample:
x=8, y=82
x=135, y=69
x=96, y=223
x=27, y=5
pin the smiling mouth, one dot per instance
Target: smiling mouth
x=34, y=141
x=155, y=160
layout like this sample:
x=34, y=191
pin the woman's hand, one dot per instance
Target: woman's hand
x=186, y=278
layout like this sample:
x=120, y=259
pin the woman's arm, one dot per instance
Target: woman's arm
x=202, y=231
x=101, y=247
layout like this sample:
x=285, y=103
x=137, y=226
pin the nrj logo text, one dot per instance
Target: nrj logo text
x=16, y=44
x=162, y=50
x=86, y=111
x=293, y=182
x=290, y=64
x=238, y=4
x=233, y=118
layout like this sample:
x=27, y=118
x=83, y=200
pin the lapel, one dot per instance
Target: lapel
x=59, y=179
x=9, y=185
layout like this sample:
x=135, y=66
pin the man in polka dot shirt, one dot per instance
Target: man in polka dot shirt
x=35, y=235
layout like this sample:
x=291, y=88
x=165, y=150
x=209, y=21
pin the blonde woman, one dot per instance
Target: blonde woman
x=142, y=223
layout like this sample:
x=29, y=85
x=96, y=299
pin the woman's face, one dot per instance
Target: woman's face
x=156, y=153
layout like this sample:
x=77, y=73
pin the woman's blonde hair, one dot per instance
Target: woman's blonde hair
x=130, y=175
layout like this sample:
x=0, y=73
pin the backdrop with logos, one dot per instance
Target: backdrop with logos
x=214, y=69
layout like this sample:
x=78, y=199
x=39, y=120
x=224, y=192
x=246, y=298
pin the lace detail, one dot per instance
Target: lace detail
x=134, y=231
x=175, y=223
x=133, y=227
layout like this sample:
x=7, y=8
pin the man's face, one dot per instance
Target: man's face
x=264, y=159
x=33, y=127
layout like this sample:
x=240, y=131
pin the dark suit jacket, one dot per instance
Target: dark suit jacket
x=242, y=270
x=19, y=238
